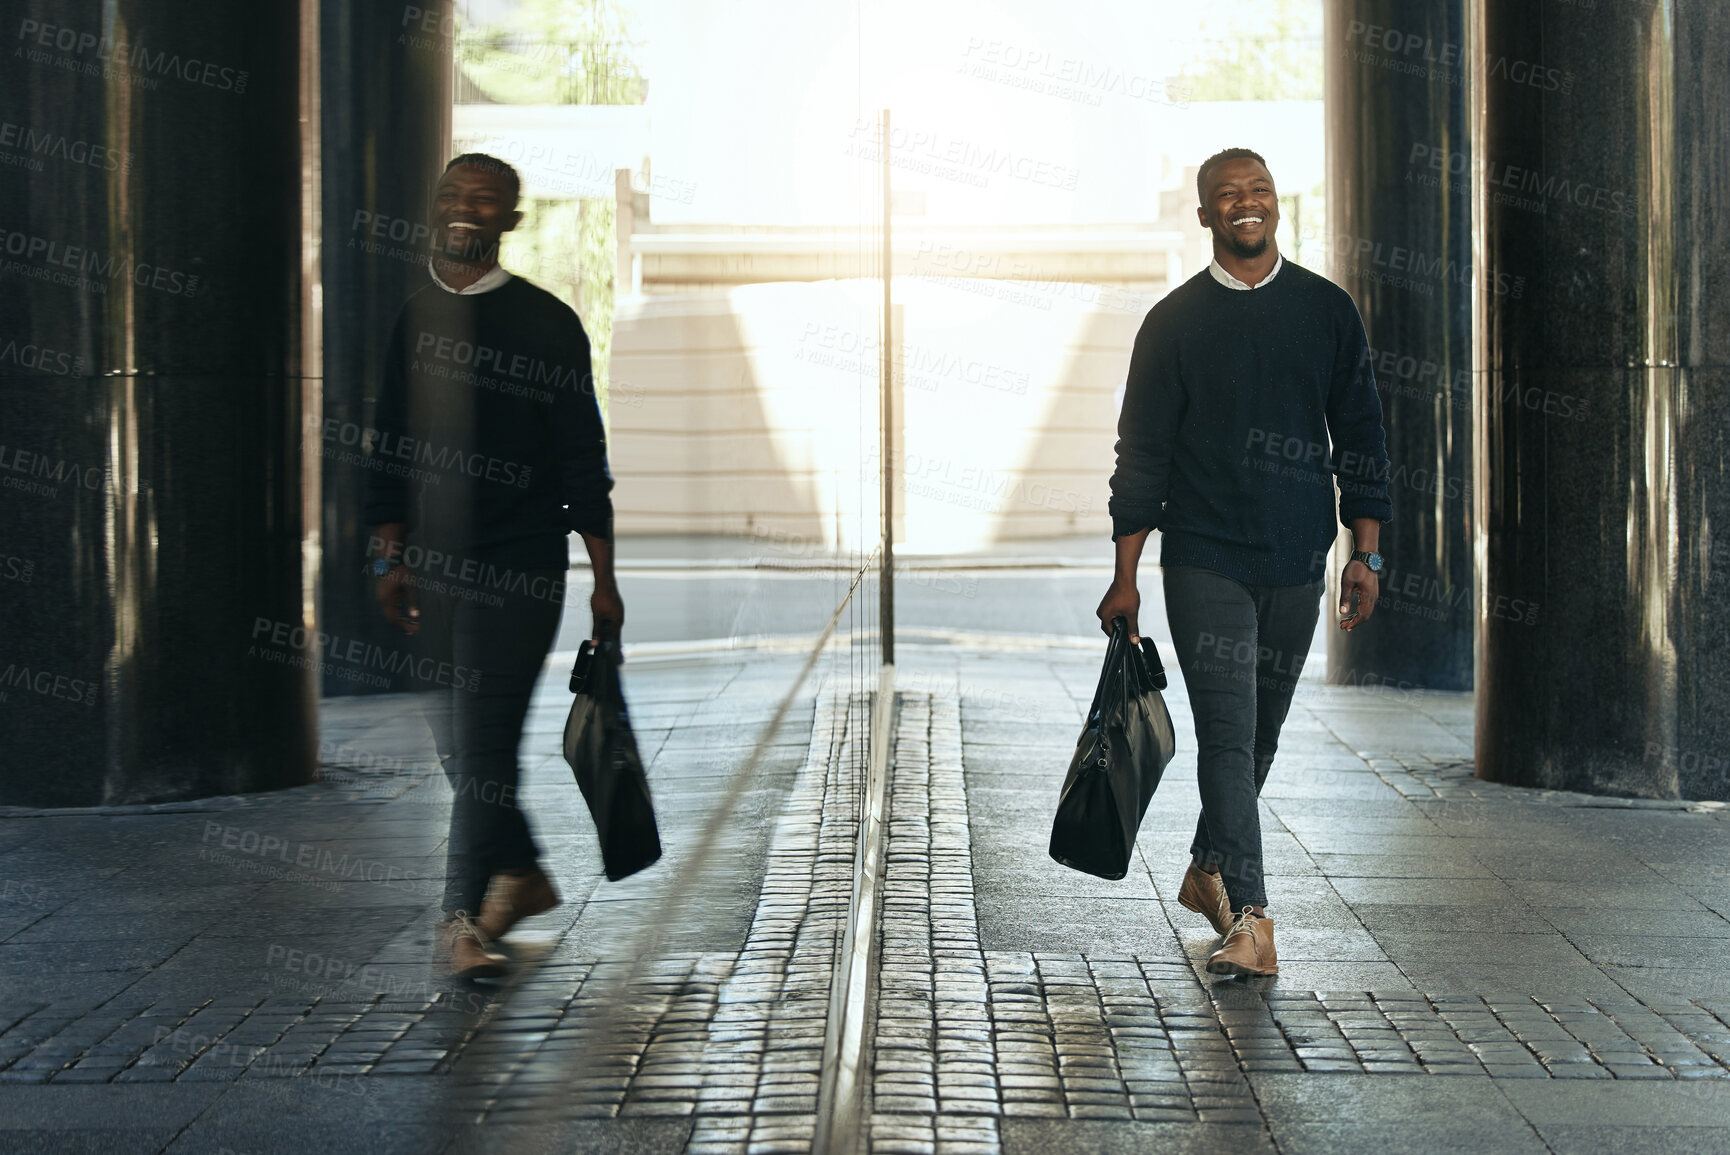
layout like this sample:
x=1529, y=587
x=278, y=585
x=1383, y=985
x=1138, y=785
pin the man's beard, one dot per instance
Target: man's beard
x=1244, y=249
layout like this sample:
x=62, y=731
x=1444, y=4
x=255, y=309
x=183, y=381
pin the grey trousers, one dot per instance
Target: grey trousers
x=1241, y=649
x=489, y=651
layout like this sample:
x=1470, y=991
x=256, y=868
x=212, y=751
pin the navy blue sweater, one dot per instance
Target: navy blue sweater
x=487, y=439
x=1242, y=410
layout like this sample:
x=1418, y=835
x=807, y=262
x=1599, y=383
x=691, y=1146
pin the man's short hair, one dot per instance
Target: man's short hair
x=493, y=165
x=1218, y=159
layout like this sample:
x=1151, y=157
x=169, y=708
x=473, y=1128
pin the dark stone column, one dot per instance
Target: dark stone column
x=386, y=113
x=1399, y=224
x=154, y=621
x=1604, y=591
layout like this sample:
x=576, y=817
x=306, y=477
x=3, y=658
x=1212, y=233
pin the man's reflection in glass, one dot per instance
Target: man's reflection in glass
x=487, y=451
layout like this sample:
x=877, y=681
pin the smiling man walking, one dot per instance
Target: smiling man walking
x=1249, y=397
x=488, y=451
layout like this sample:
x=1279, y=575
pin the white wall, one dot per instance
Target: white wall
x=756, y=411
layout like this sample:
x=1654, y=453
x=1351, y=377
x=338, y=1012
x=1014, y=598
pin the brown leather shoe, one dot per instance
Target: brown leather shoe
x=1247, y=949
x=513, y=897
x=1204, y=893
x=463, y=951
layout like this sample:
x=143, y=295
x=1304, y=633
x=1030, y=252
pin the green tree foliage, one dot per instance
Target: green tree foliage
x=567, y=248
x=551, y=52
x=560, y=52
x=1258, y=50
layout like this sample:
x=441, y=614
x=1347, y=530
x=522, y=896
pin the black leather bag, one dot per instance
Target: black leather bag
x=1122, y=752
x=602, y=751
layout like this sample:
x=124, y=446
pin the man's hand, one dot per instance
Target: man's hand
x=398, y=599
x=605, y=602
x=1122, y=600
x=395, y=591
x=1359, y=589
x=609, y=612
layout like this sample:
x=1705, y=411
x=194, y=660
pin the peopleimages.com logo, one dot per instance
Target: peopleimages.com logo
x=1419, y=54
x=442, y=458
x=43, y=474
x=40, y=358
x=47, y=684
x=36, y=142
x=1369, y=259
x=293, y=644
x=104, y=50
x=49, y=259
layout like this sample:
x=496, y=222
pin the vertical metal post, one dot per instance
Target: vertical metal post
x=886, y=377
x=839, y=1127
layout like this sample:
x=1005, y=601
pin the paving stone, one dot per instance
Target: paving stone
x=1124, y=1027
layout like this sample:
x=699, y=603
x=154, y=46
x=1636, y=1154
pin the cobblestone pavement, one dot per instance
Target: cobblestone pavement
x=251, y=974
x=1428, y=923
x=731, y=1039
x=262, y=962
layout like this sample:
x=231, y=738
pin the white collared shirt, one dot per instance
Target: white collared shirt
x=490, y=280
x=1231, y=282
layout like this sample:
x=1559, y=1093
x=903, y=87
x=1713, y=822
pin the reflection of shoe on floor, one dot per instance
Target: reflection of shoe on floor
x=513, y=897
x=465, y=953
x=1247, y=949
x=1204, y=893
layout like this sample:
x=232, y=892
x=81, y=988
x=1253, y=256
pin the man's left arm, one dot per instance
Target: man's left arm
x=1360, y=464
x=585, y=483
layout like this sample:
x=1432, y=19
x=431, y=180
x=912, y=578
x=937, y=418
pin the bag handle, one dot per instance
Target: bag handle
x=585, y=663
x=1149, y=655
x=1119, y=637
x=581, y=667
